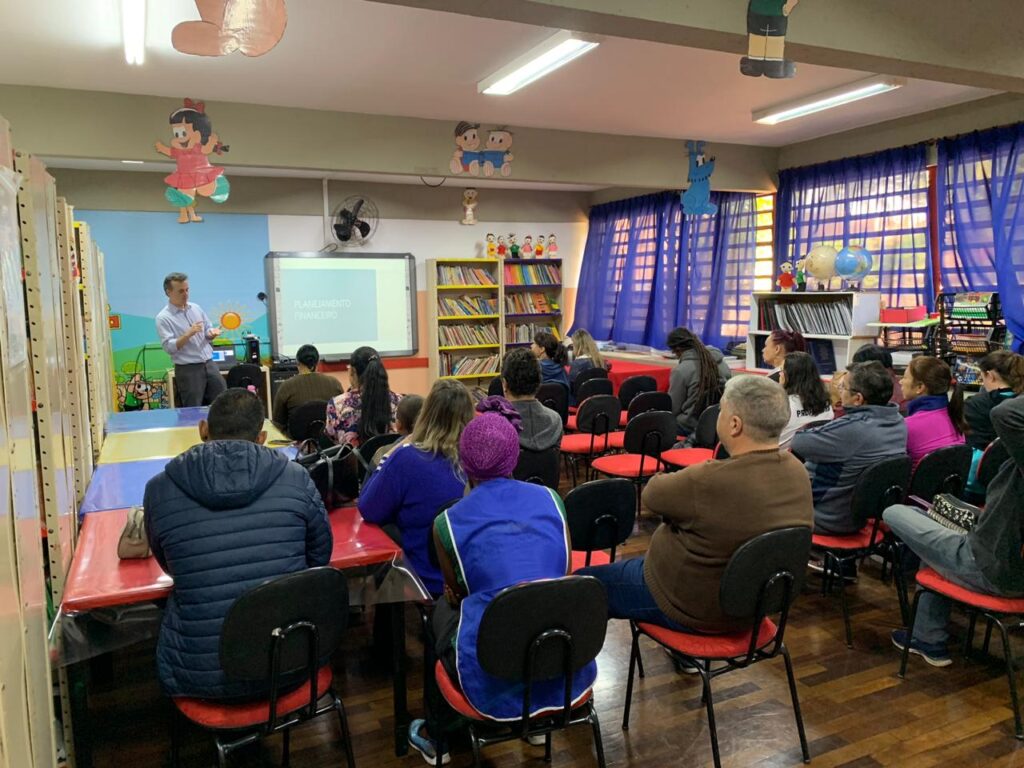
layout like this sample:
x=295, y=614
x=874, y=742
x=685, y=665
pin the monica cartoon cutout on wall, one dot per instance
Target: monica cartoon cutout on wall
x=192, y=143
x=697, y=197
x=253, y=27
x=767, y=23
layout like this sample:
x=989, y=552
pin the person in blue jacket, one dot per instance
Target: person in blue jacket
x=222, y=518
x=553, y=358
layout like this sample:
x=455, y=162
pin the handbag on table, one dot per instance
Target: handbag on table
x=133, y=543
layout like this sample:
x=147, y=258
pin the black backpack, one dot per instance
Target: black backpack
x=334, y=471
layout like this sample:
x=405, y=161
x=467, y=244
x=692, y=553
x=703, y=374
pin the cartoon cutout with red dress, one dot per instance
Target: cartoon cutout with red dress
x=191, y=146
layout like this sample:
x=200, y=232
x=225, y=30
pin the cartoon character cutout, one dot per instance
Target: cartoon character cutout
x=539, y=248
x=528, y=247
x=467, y=158
x=502, y=249
x=767, y=23
x=253, y=27
x=801, y=276
x=136, y=394
x=697, y=198
x=513, y=246
x=492, y=246
x=469, y=207
x=552, y=246
x=496, y=155
x=192, y=143
x=785, y=281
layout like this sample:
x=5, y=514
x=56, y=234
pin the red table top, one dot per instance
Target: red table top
x=623, y=369
x=98, y=579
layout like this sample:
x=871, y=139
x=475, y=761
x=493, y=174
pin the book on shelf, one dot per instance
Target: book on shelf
x=467, y=365
x=520, y=333
x=466, y=306
x=831, y=318
x=533, y=274
x=530, y=304
x=462, y=275
x=467, y=334
x=824, y=355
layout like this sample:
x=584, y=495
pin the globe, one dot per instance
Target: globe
x=854, y=262
x=821, y=262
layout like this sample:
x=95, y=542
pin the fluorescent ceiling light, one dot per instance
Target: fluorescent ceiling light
x=133, y=30
x=836, y=97
x=133, y=162
x=558, y=50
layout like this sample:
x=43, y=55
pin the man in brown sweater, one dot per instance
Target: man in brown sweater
x=708, y=512
x=308, y=385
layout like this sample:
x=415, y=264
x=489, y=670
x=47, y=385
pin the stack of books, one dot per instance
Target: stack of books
x=466, y=334
x=831, y=318
x=530, y=304
x=464, y=365
x=451, y=275
x=519, y=333
x=532, y=274
x=466, y=306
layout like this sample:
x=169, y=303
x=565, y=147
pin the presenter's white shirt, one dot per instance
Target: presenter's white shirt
x=174, y=322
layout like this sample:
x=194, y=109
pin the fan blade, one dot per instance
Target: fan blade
x=343, y=232
x=363, y=227
x=356, y=208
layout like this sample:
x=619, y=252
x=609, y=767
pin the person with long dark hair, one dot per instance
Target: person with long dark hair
x=1002, y=378
x=553, y=358
x=808, y=397
x=934, y=418
x=369, y=407
x=779, y=344
x=697, y=380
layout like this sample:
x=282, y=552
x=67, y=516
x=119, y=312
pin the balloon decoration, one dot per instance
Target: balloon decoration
x=853, y=263
x=820, y=263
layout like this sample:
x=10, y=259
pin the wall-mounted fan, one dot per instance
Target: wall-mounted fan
x=355, y=221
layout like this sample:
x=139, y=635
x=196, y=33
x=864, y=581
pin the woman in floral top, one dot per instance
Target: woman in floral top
x=368, y=408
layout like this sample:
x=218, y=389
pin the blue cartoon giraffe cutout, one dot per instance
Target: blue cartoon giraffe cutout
x=697, y=197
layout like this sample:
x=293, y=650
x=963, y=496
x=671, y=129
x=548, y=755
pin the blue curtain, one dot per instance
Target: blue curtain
x=879, y=201
x=981, y=217
x=647, y=268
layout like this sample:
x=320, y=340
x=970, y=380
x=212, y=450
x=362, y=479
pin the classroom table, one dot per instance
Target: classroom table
x=160, y=418
x=114, y=486
x=166, y=443
x=98, y=579
x=623, y=369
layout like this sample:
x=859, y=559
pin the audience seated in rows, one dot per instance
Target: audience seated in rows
x=221, y=518
x=369, y=407
x=808, y=397
x=777, y=346
x=697, y=379
x=988, y=559
x=308, y=385
x=934, y=419
x=553, y=358
x=836, y=453
x=866, y=354
x=520, y=379
x=585, y=354
x=504, y=532
x=408, y=411
x=419, y=475
x=1002, y=378
x=708, y=512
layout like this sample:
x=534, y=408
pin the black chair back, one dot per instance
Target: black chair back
x=992, y=460
x=706, y=433
x=543, y=630
x=585, y=376
x=599, y=414
x=944, y=471
x=495, y=388
x=879, y=486
x=540, y=467
x=374, y=444
x=633, y=386
x=245, y=375
x=763, y=577
x=650, y=433
x=600, y=515
x=648, y=401
x=556, y=397
x=594, y=387
x=307, y=422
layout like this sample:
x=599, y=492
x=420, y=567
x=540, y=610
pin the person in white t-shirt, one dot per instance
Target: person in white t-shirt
x=808, y=398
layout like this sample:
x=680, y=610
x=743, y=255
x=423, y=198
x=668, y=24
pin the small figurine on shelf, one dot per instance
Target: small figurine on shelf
x=539, y=248
x=801, y=276
x=528, y=247
x=513, y=246
x=502, y=248
x=492, y=246
x=786, y=280
x=552, y=246
x=469, y=207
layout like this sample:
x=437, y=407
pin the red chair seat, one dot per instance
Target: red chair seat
x=570, y=425
x=580, y=443
x=859, y=540
x=461, y=704
x=617, y=441
x=573, y=408
x=597, y=557
x=623, y=419
x=930, y=579
x=710, y=646
x=627, y=465
x=687, y=457
x=221, y=716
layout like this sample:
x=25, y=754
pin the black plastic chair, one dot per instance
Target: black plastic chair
x=495, y=388
x=371, y=446
x=540, y=467
x=595, y=421
x=944, y=471
x=705, y=438
x=648, y=435
x=245, y=375
x=992, y=461
x=600, y=516
x=761, y=580
x=642, y=403
x=307, y=422
x=556, y=397
x=280, y=633
x=634, y=386
x=592, y=387
x=879, y=486
x=584, y=376
x=540, y=630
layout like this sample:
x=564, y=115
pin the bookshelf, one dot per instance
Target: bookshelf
x=835, y=324
x=480, y=308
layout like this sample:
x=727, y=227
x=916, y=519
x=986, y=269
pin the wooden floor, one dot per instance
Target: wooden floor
x=857, y=712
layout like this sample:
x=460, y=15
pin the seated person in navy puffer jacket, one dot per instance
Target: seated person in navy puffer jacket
x=223, y=517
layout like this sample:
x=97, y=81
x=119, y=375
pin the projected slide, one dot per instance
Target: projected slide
x=340, y=302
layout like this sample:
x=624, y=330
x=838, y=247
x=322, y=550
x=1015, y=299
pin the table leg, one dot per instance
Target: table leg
x=78, y=683
x=399, y=665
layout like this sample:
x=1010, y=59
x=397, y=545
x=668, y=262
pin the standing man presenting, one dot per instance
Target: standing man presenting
x=185, y=333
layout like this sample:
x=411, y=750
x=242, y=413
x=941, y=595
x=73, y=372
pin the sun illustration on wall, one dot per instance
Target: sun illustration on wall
x=230, y=317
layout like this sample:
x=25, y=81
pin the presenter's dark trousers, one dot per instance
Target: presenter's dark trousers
x=198, y=383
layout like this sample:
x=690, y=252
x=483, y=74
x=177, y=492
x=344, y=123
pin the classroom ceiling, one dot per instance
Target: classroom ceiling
x=357, y=56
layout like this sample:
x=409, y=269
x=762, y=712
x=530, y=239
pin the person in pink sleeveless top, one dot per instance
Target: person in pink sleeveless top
x=935, y=419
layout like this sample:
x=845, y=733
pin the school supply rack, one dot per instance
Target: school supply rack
x=970, y=326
